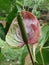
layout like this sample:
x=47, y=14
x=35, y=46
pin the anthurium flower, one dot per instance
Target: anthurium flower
x=32, y=27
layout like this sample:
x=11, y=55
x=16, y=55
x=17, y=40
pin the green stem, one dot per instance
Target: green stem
x=42, y=56
x=19, y=4
x=24, y=35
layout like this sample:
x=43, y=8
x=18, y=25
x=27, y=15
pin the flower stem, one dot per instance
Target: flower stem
x=24, y=35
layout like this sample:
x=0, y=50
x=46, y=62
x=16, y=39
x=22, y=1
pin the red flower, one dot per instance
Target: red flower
x=32, y=27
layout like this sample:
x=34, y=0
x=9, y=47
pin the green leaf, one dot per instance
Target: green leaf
x=47, y=41
x=24, y=54
x=28, y=3
x=12, y=54
x=45, y=32
x=42, y=52
x=2, y=18
x=5, y=5
x=19, y=3
x=43, y=56
x=10, y=18
x=2, y=33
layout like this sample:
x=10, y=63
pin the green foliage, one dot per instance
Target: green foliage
x=10, y=18
x=10, y=54
x=36, y=13
x=37, y=5
x=45, y=35
x=42, y=52
x=20, y=2
x=41, y=4
x=28, y=3
x=7, y=54
x=2, y=33
x=5, y=5
x=2, y=18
